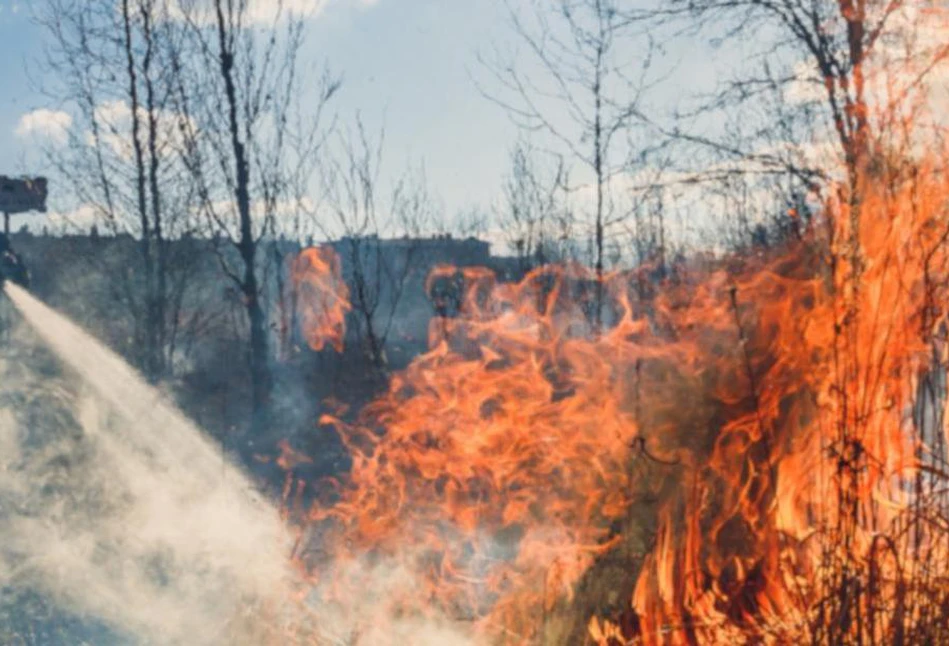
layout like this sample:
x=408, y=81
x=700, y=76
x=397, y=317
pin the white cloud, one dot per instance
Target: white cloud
x=265, y=11
x=114, y=119
x=81, y=218
x=53, y=125
x=259, y=12
x=111, y=112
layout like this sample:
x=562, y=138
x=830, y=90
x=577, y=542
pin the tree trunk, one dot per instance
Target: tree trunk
x=149, y=322
x=158, y=289
x=600, y=179
x=261, y=380
x=247, y=245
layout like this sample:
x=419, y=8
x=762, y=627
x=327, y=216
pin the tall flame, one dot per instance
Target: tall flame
x=749, y=449
x=762, y=407
x=322, y=297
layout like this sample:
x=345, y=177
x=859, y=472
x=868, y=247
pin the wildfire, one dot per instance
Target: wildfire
x=751, y=449
x=322, y=297
x=739, y=438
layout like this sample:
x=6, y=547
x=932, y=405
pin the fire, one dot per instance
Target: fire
x=322, y=297
x=744, y=435
x=749, y=449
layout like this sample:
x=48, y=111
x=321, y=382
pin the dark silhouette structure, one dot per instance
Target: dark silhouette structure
x=11, y=265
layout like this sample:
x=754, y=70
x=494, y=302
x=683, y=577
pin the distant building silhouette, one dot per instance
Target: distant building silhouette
x=443, y=249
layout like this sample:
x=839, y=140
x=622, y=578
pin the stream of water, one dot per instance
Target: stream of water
x=142, y=524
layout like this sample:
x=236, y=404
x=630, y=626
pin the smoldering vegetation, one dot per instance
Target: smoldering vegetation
x=794, y=486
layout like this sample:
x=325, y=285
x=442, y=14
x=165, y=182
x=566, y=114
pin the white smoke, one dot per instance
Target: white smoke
x=114, y=505
x=133, y=518
x=374, y=616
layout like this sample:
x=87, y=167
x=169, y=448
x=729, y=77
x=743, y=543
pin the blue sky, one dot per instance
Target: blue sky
x=20, y=42
x=403, y=61
x=408, y=61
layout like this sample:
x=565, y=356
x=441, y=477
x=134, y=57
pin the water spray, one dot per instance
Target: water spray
x=153, y=531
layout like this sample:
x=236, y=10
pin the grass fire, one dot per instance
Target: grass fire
x=746, y=450
x=679, y=380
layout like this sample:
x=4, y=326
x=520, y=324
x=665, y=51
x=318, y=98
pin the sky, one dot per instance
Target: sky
x=409, y=65
x=20, y=42
x=405, y=64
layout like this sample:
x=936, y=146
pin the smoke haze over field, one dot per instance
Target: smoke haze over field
x=510, y=322
x=132, y=518
x=115, y=508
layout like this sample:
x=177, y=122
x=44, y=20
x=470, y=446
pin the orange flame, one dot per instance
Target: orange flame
x=759, y=440
x=764, y=404
x=322, y=297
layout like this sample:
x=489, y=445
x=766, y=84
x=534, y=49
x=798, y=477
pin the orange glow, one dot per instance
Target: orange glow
x=761, y=402
x=748, y=434
x=322, y=297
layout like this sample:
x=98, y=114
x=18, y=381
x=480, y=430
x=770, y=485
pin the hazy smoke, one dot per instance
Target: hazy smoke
x=134, y=517
x=380, y=613
x=114, y=505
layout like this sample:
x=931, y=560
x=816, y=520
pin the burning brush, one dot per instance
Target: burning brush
x=732, y=453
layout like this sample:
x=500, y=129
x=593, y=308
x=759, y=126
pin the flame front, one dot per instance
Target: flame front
x=749, y=449
x=757, y=416
x=322, y=297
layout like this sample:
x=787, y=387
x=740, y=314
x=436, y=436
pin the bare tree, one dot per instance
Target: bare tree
x=376, y=269
x=535, y=215
x=238, y=85
x=582, y=87
x=823, y=54
x=808, y=83
x=109, y=68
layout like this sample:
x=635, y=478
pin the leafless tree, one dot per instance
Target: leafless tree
x=376, y=269
x=582, y=86
x=806, y=83
x=823, y=55
x=238, y=85
x=535, y=216
x=108, y=67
